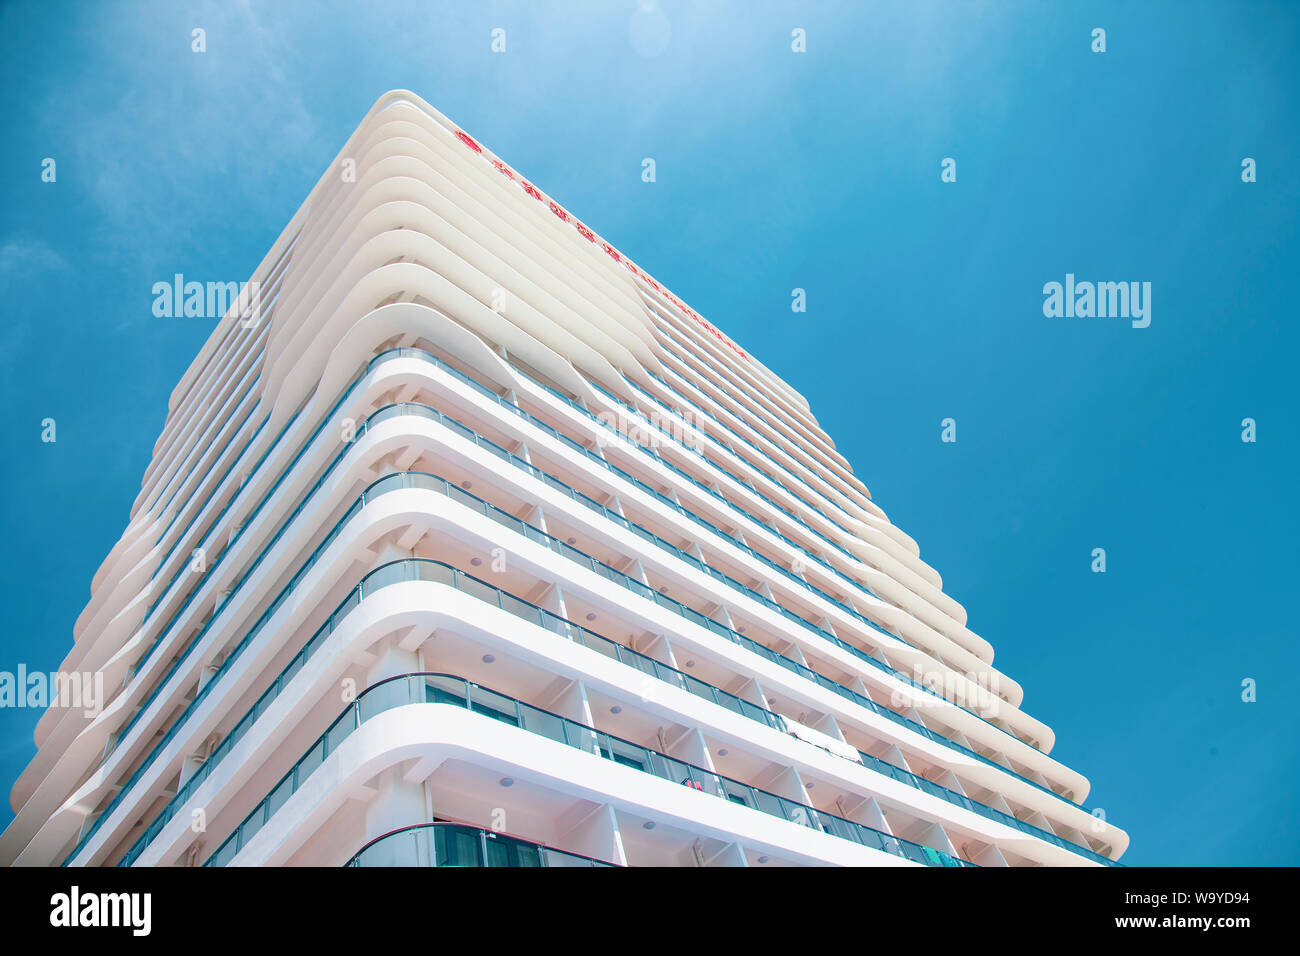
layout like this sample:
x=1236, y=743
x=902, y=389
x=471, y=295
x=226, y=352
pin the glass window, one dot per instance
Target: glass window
x=457, y=846
x=626, y=754
x=444, y=690
x=544, y=724
x=493, y=705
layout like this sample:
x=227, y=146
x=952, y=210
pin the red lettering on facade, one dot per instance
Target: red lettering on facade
x=609, y=250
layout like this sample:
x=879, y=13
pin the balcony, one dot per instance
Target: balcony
x=453, y=690
x=453, y=844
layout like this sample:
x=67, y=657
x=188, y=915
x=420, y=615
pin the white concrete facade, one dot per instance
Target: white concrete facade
x=474, y=539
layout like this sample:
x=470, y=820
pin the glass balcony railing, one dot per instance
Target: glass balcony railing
x=809, y=430
x=428, y=412
x=989, y=813
x=190, y=497
x=249, y=378
x=663, y=600
x=678, y=507
x=766, y=456
x=757, y=555
x=817, y=559
x=723, y=378
x=820, y=535
x=213, y=530
x=749, y=484
x=508, y=602
x=686, y=512
x=450, y=689
x=811, y=464
x=600, y=460
x=835, y=462
x=718, y=466
x=624, y=580
x=455, y=578
x=410, y=408
x=454, y=844
x=236, y=586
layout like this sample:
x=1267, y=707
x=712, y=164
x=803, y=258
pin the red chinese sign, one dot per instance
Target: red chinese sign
x=610, y=251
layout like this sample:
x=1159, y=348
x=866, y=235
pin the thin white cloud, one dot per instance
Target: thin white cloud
x=182, y=130
x=24, y=262
x=23, y=257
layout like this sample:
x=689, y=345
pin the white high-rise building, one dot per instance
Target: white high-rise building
x=467, y=541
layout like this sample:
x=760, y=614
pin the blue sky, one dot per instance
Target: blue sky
x=775, y=170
